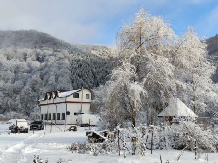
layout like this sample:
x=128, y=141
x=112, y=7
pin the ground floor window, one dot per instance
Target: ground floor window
x=63, y=116
x=54, y=116
x=49, y=116
x=58, y=116
x=42, y=117
x=46, y=116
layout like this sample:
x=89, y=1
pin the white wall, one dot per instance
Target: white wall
x=82, y=96
x=61, y=105
x=61, y=108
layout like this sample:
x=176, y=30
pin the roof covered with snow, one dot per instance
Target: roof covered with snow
x=177, y=108
x=68, y=93
x=58, y=93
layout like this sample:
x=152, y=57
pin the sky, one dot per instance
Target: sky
x=97, y=21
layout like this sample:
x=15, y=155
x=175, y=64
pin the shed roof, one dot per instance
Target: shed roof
x=177, y=108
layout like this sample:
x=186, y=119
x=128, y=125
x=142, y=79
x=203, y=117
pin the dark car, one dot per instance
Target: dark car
x=37, y=125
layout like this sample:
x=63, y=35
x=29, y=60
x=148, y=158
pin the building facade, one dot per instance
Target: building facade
x=63, y=107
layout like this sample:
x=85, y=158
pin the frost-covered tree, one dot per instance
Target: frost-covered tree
x=27, y=100
x=143, y=46
x=152, y=41
x=192, y=70
x=122, y=97
x=164, y=65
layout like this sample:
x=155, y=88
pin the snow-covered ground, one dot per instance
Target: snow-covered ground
x=52, y=144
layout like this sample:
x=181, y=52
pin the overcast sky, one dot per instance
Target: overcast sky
x=97, y=21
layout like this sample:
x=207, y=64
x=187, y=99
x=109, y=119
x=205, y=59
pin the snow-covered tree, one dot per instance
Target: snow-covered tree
x=143, y=47
x=28, y=100
x=161, y=63
x=121, y=96
x=192, y=70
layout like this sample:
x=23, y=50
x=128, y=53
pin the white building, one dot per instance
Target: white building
x=62, y=107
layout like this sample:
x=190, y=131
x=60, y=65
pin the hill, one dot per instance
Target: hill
x=213, y=53
x=32, y=63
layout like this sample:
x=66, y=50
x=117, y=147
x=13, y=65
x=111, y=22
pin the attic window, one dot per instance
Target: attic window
x=76, y=95
x=87, y=96
x=48, y=95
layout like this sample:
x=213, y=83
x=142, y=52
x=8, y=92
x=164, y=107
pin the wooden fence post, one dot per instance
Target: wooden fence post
x=160, y=159
x=118, y=134
x=195, y=149
x=152, y=140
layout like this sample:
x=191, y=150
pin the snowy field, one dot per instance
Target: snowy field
x=52, y=144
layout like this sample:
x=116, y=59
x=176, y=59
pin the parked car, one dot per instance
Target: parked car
x=37, y=125
x=18, y=125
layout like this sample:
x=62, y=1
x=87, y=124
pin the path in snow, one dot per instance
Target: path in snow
x=52, y=145
x=17, y=153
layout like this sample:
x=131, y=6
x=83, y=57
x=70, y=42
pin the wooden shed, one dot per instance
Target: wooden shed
x=178, y=109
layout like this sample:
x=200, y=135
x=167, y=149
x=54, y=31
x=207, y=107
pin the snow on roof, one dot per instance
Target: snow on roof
x=41, y=99
x=65, y=94
x=177, y=108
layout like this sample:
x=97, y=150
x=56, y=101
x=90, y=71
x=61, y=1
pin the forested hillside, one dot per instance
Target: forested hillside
x=32, y=63
x=213, y=53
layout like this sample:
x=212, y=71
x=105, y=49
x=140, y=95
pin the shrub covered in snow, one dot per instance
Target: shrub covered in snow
x=185, y=134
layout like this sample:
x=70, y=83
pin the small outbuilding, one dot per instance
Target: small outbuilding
x=178, y=109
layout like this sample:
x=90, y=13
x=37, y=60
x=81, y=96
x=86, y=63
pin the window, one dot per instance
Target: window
x=42, y=117
x=87, y=96
x=63, y=116
x=54, y=116
x=76, y=95
x=58, y=116
x=49, y=116
x=46, y=117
